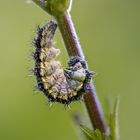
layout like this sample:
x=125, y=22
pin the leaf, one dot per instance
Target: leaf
x=114, y=126
x=107, y=108
x=93, y=134
x=87, y=132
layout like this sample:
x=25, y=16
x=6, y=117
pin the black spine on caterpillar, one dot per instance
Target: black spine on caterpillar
x=40, y=45
x=58, y=84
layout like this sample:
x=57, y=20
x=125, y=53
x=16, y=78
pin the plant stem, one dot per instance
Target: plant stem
x=69, y=35
x=74, y=49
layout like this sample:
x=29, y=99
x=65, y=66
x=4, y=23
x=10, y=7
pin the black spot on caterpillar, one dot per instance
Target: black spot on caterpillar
x=58, y=84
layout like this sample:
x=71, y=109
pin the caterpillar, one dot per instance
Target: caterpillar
x=58, y=84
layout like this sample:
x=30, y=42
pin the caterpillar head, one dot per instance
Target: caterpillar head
x=77, y=73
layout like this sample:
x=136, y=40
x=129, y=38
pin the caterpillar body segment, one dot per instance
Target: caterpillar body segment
x=58, y=84
x=47, y=69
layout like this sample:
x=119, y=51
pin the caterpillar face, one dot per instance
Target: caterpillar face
x=58, y=84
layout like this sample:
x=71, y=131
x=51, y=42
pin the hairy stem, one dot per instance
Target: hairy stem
x=74, y=49
x=69, y=35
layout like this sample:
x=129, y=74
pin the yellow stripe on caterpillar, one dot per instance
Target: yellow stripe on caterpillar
x=50, y=54
x=49, y=81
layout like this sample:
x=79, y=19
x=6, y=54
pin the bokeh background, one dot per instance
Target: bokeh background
x=109, y=32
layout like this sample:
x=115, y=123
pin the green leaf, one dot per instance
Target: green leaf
x=93, y=134
x=107, y=106
x=114, y=126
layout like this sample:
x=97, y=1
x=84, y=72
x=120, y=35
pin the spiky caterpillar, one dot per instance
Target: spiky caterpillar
x=58, y=84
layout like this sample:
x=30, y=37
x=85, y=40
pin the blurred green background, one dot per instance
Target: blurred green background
x=109, y=31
